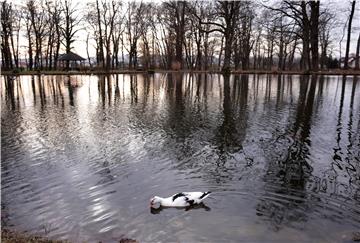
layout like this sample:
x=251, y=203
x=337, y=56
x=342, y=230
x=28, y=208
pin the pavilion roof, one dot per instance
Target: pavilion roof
x=71, y=56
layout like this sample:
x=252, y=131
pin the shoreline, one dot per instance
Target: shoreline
x=9, y=236
x=109, y=72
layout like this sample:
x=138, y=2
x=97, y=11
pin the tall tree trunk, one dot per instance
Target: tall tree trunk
x=346, y=60
x=306, y=38
x=87, y=50
x=270, y=54
x=28, y=30
x=6, y=33
x=237, y=55
x=206, y=50
x=314, y=32
x=100, y=43
x=198, y=54
x=246, y=46
x=292, y=55
x=281, y=51
x=122, y=51
x=227, y=51
x=221, y=51
x=15, y=51
x=357, y=61
x=180, y=35
x=57, y=49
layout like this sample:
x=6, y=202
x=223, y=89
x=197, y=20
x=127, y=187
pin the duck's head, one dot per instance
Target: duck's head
x=154, y=201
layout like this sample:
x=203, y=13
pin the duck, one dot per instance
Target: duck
x=182, y=199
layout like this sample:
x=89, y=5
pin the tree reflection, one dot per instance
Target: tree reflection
x=279, y=90
x=101, y=89
x=197, y=129
x=176, y=103
x=346, y=162
x=109, y=88
x=42, y=90
x=117, y=89
x=227, y=136
x=33, y=88
x=147, y=81
x=134, y=88
x=59, y=91
x=230, y=130
x=70, y=90
x=10, y=90
x=352, y=154
x=13, y=92
x=288, y=170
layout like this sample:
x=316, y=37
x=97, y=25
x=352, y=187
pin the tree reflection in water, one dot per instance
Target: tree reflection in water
x=288, y=169
x=287, y=147
x=234, y=114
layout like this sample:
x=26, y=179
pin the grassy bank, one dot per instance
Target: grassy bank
x=8, y=236
x=11, y=237
x=103, y=72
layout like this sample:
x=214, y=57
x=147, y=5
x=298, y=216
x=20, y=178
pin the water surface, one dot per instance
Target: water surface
x=82, y=156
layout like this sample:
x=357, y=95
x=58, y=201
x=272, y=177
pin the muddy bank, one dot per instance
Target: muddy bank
x=8, y=236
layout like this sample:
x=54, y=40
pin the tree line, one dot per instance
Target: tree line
x=200, y=35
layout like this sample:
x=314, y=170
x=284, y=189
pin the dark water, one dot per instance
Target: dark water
x=82, y=156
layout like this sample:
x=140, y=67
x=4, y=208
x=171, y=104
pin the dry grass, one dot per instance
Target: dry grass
x=14, y=237
x=8, y=236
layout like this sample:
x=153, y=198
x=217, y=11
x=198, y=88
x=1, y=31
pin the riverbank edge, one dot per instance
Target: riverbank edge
x=109, y=72
x=9, y=236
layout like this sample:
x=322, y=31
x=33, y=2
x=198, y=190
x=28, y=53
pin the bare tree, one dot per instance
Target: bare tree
x=147, y=46
x=110, y=11
x=29, y=36
x=314, y=33
x=6, y=33
x=69, y=28
x=174, y=18
x=268, y=24
x=38, y=23
x=244, y=31
x=54, y=33
x=229, y=12
x=116, y=37
x=326, y=21
x=174, y=34
x=15, y=29
x=100, y=47
x=134, y=24
x=307, y=27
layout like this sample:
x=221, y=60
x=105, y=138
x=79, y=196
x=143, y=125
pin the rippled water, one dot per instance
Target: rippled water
x=82, y=156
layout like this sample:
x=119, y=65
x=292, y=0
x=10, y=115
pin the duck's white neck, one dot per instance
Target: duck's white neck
x=166, y=202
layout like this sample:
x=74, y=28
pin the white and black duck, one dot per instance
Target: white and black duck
x=182, y=199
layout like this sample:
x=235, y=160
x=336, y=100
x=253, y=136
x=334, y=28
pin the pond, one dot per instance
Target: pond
x=83, y=155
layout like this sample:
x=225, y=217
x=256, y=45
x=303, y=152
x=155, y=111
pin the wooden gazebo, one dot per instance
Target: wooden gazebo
x=72, y=59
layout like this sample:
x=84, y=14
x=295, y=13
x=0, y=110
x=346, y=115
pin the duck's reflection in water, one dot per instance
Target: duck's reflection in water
x=196, y=206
